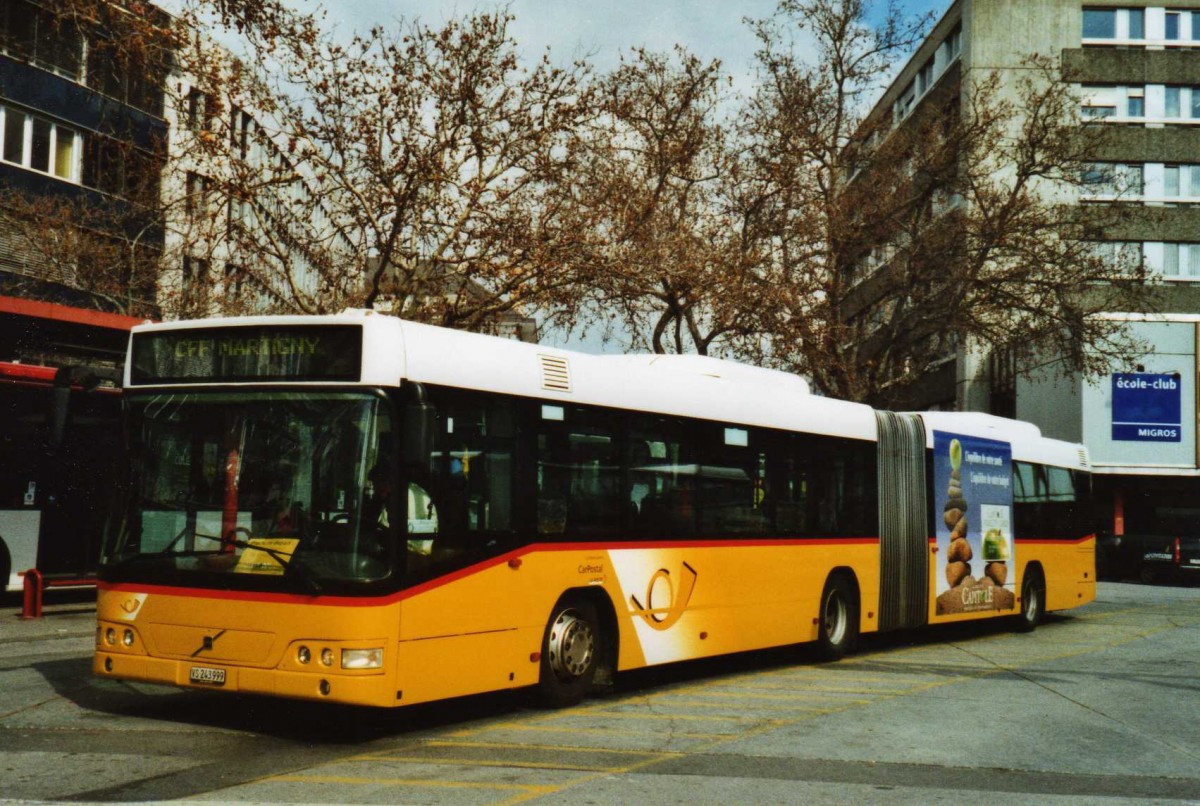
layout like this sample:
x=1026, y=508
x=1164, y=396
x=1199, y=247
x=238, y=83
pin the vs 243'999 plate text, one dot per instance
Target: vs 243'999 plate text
x=208, y=675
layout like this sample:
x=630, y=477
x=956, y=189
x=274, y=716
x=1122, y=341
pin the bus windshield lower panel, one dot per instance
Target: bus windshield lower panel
x=257, y=490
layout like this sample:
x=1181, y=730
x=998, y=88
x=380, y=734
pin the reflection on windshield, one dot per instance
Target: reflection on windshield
x=260, y=485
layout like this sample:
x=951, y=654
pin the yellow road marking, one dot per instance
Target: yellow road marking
x=477, y=762
x=531, y=789
x=681, y=717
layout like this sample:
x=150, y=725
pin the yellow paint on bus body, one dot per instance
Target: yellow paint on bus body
x=482, y=631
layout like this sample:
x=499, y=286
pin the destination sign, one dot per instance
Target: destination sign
x=258, y=353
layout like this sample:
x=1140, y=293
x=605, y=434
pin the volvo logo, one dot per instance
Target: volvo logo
x=207, y=643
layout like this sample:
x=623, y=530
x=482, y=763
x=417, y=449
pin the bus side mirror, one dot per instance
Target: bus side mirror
x=420, y=426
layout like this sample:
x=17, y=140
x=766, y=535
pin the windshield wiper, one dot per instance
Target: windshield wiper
x=286, y=561
x=297, y=571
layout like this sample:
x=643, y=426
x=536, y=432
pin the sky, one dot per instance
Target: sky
x=603, y=29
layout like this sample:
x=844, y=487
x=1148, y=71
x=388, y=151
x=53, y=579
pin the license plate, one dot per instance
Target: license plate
x=208, y=675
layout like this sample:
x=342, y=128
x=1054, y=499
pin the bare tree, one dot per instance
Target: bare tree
x=659, y=186
x=956, y=226
x=438, y=166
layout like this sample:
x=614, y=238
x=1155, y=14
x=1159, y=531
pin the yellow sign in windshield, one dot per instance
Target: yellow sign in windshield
x=266, y=555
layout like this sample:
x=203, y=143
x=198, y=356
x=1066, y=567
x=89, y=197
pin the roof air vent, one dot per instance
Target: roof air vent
x=556, y=375
x=1083, y=458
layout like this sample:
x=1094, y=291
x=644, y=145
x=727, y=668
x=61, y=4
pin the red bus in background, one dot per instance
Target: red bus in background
x=60, y=443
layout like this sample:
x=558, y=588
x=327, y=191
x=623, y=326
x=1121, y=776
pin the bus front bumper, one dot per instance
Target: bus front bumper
x=351, y=689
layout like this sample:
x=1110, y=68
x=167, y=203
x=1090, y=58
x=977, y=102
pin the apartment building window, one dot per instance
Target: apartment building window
x=1106, y=179
x=1175, y=261
x=1137, y=23
x=37, y=36
x=1102, y=102
x=37, y=143
x=199, y=110
x=1171, y=27
x=1099, y=23
x=193, y=288
x=196, y=192
x=1135, y=102
x=234, y=277
x=1172, y=107
x=1125, y=254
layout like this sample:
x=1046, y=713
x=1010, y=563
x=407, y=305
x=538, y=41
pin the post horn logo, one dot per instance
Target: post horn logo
x=662, y=588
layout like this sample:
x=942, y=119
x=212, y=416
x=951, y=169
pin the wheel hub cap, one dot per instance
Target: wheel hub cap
x=571, y=645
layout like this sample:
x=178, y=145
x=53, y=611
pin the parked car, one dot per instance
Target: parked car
x=1150, y=558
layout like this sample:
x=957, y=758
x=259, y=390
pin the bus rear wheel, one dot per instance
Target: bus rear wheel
x=570, y=652
x=839, y=619
x=1033, y=601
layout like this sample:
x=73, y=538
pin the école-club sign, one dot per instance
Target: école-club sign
x=1146, y=407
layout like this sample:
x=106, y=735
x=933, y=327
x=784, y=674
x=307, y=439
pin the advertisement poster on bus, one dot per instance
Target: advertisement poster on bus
x=972, y=486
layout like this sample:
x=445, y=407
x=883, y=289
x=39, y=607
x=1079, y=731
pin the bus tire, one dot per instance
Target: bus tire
x=1033, y=600
x=838, y=633
x=570, y=653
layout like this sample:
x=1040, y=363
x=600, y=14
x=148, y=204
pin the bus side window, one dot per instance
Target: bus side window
x=667, y=475
x=579, y=476
x=472, y=472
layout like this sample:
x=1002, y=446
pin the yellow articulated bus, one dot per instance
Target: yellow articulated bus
x=359, y=509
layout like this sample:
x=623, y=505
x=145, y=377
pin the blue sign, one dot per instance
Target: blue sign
x=1146, y=408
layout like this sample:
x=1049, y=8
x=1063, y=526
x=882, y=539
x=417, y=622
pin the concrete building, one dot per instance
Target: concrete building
x=1137, y=68
x=79, y=130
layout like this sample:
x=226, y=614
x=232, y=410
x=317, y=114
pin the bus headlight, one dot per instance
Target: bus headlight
x=110, y=635
x=362, y=658
x=127, y=638
x=327, y=656
x=303, y=655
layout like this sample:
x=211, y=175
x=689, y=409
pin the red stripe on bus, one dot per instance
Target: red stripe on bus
x=1055, y=541
x=470, y=570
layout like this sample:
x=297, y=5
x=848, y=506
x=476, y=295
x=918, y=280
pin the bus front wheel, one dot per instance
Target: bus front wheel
x=570, y=651
x=839, y=619
x=1033, y=601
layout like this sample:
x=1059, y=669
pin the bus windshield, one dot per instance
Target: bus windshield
x=260, y=490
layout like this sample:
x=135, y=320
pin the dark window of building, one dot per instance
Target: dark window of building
x=1099, y=23
x=1137, y=106
x=1137, y=23
x=135, y=79
x=14, y=136
x=38, y=36
x=234, y=277
x=39, y=152
x=1172, y=26
x=1172, y=107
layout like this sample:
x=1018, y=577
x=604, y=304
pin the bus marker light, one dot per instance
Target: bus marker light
x=327, y=656
x=362, y=658
x=534, y=657
x=515, y=562
x=303, y=654
x=703, y=635
x=110, y=635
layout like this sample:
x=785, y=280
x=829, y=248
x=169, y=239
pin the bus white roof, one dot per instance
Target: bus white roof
x=683, y=385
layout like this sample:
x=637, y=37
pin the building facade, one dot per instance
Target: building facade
x=82, y=137
x=1137, y=70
